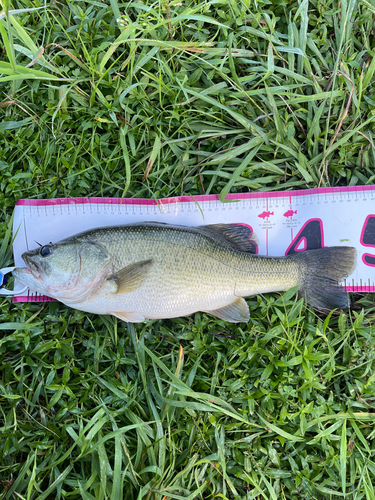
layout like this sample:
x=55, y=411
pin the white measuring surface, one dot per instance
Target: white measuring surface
x=283, y=222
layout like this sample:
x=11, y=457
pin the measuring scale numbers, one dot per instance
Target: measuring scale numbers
x=311, y=236
x=284, y=223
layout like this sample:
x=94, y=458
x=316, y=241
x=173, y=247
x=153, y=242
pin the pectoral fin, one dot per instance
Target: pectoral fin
x=129, y=317
x=236, y=312
x=131, y=277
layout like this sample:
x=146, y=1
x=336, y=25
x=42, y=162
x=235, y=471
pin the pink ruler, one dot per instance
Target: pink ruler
x=284, y=222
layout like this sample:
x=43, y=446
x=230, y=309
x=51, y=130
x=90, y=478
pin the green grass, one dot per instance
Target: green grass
x=193, y=98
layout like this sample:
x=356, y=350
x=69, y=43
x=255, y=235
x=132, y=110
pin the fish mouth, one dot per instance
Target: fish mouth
x=31, y=267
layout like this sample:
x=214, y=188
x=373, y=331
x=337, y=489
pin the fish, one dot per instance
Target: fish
x=265, y=214
x=290, y=213
x=153, y=270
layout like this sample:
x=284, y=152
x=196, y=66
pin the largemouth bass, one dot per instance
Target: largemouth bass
x=154, y=270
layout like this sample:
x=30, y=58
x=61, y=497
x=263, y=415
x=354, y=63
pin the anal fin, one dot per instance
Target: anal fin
x=236, y=312
x=129, y=317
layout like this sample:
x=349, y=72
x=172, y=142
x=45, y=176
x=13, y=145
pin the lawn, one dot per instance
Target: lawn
x=142, y=99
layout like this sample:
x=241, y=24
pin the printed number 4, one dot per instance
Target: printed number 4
x=309, y=237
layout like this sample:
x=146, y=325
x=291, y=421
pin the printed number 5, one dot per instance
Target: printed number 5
x=368, y=239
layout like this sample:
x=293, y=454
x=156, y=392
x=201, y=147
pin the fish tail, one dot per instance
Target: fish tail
x=322, y=270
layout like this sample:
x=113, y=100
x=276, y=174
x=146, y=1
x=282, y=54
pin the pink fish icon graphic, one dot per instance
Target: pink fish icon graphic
x=290, y=213
x=265, y=215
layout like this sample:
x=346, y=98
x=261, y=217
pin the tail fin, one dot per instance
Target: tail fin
x=322, y=270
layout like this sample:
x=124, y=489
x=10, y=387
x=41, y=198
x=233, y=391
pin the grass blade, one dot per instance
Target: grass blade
x=343, y=449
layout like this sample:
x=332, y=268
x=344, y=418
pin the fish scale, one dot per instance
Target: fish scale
x=190, y=272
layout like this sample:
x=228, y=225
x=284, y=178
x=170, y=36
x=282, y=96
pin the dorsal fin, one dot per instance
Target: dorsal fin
x=239, y=236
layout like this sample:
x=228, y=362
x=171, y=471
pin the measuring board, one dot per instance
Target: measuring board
x=283, y=222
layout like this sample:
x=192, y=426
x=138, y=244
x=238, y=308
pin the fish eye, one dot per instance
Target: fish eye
x=46, y=250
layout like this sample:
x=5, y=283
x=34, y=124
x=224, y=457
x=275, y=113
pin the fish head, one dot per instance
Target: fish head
x=68, y=271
